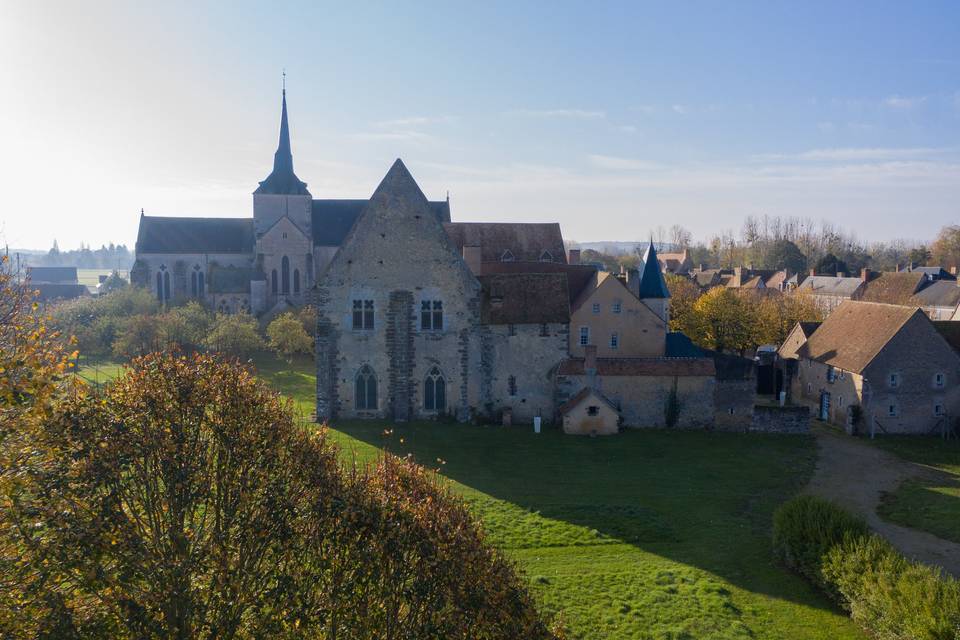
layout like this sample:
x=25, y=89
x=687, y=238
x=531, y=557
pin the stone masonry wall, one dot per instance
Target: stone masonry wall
x=768, y=419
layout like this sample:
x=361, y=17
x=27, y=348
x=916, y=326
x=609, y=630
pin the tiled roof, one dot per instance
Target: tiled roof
x=854, y=333
x=809, y=327
x=195, y=235
x=892, y=288
x=332, y=219
x=641, y=367
x=941, y=293
x=935, y=273
x=525, y=298
x=59, y=275
x=582, y=395
x=578, y=275
x=707, y=278
x=831, y=286
x=525, y=242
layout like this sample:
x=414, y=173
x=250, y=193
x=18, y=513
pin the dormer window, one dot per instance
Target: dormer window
x=546, y=256
x=507, y=256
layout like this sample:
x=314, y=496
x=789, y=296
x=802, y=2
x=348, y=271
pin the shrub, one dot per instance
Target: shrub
x=886, y=594
x=288, y=337
x=806, y=528
x=184, y=500
x=234, y=335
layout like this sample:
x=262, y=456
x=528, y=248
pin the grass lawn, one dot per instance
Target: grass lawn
x=929, y=505
x=648, y=534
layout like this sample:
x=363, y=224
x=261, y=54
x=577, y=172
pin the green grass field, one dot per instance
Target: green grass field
x=932, y=506
x=648, y=534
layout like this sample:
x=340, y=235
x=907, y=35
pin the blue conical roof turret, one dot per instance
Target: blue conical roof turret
x=652, y=284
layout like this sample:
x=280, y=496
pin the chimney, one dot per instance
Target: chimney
x=471, y=255
x=841, y=274
x=864, y=274
x=953, y=270
x=633, y=281
x=573, y=256
x=590, y=359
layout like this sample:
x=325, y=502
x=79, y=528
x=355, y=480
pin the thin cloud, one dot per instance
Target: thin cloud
x=855, y=154
x=682, y=109
x=580, y=114
x=415, y=121
x=393, y=136
x=615, y=163
x=904, y=102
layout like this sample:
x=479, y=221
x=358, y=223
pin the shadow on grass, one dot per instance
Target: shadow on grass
x=701, y=499
x=931, y=505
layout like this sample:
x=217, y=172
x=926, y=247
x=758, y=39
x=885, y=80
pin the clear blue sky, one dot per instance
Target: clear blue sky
x=611, y=118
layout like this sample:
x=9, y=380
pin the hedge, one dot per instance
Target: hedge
x=888, y=595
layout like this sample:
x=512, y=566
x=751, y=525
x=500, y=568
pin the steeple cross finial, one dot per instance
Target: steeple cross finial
x=284, y=81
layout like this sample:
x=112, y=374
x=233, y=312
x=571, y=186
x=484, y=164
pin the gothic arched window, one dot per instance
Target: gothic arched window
x=365, y=390
x=273, y=283
x=435, y=391
x=285, y=275
x=296, y=282
x=200, y=284
x=193, y=284
x=160, y=287
x=166, y=286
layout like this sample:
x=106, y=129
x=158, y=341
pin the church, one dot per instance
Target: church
x=423, y=317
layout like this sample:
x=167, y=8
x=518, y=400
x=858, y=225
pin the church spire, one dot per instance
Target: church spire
x=282, y=180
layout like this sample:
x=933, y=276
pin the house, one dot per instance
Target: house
x=939, y=299
x=892, y=287
x=872, y=367
x=934, y=290
x=677, y=263
x=55, y=283
x=589, y=413
x=829, y=292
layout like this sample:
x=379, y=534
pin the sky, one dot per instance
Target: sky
x=610, y=118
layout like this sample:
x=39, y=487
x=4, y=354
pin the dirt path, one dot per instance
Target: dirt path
x=855, y=474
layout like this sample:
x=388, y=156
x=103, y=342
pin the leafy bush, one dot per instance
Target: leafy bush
x=888, y=595
x=806, y=528
x=184, y=500
x=234, y=335
x=288, y=337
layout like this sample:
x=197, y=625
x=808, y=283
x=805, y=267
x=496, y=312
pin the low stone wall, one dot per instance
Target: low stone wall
x=767, y=419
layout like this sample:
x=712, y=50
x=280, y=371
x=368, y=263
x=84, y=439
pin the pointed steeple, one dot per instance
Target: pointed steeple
x=652, y=284
x=282, y=180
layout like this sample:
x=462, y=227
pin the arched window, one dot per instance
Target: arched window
x=193, y=284
x=309, y=269
x=296, y=282
x=160, y=287
x=166, y=286
x=365, y=390
x=546, y=256
x=200, y=284
x=285, y=275
x=435, y=391
x=507, y=256
x=273, y=283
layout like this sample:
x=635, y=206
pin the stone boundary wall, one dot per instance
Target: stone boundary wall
x=767, y=419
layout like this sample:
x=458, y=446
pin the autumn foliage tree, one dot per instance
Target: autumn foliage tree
x=287, y=336
x=184, y=500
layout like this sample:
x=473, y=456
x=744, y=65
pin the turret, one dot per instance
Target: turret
x=653, y=288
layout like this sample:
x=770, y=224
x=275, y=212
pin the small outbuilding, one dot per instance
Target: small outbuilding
x=589, y=413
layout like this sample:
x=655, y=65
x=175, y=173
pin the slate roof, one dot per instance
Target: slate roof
x=195, y=235
x=282, y=180
x=641, y=367
x=524, y=240
x=525, y=298
x=892, y=288
x=854, y=333
x=58, y=275
x=47, y=291
x=950, y=330
x=831, y=286
x=935, y=273
x=582, y=395
x=652, y=284
x=680, y=346
x=940, y=293
x=229, y=279
x=332, y=219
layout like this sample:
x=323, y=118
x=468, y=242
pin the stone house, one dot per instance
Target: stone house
x=829, y=292
x=877, y=367
x=589, y=413
x=677, y=262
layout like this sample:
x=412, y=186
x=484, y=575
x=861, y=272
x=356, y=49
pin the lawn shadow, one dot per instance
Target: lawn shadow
x=698, y=498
